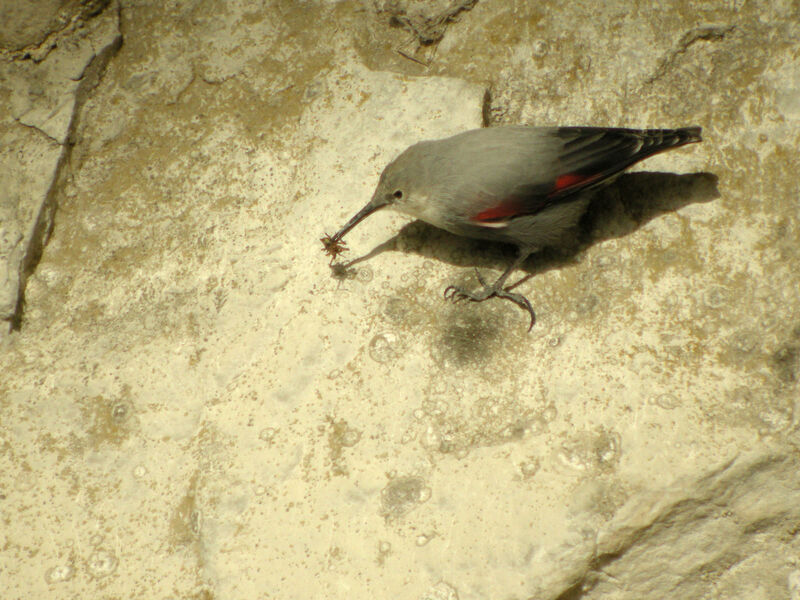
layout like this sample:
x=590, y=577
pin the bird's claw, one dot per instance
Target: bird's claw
x=457, y=294
x=522, y=302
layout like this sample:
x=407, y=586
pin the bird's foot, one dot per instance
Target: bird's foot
x=456, y=294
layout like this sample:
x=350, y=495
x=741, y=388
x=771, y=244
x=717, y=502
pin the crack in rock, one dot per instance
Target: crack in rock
x=34, y=177
x=688, y=39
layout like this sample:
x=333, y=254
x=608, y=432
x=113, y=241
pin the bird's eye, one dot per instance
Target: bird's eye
x=398, y=194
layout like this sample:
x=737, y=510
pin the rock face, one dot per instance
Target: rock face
x=35, y=27
x=192, y=404
x=53, y=56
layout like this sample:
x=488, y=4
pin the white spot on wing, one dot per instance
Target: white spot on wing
x=492, y=224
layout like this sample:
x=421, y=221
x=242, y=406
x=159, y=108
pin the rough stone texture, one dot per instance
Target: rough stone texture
x=193, y=407
x=33, y=27
x=40, y=103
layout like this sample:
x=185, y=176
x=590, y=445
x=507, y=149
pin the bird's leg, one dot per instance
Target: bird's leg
x=455, y=293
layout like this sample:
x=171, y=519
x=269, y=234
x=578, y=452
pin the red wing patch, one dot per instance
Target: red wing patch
x=568, y=180
x=509, y=208
x=533, y=199
x=571, y=180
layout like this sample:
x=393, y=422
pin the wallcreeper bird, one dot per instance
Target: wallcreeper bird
x=526, y=186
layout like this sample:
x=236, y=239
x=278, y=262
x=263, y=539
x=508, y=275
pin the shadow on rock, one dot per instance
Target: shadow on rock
x=637, y=198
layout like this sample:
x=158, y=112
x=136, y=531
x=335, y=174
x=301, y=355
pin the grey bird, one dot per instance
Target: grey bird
x=526, y=186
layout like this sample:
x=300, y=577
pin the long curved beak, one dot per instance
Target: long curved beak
x=376, y=203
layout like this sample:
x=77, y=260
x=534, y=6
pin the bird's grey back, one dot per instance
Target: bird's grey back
x=485, y=165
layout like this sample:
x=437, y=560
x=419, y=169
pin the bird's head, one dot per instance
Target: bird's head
x=395, y=189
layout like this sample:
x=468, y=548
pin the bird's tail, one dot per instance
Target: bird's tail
x=679, y=137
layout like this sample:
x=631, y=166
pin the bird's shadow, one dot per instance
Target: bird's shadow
x=617, y=210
